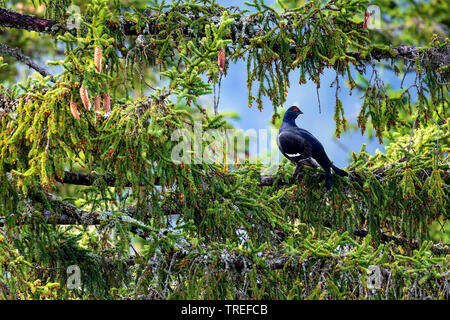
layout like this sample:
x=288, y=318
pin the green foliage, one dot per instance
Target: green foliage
x=210, y=231
x=2, y=65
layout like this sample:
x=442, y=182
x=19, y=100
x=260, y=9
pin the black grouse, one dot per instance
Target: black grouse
x=298, y=144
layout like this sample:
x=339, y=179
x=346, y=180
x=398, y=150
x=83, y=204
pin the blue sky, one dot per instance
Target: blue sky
x=322, y=125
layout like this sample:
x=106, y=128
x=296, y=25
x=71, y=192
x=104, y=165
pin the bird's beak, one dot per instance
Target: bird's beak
x=300, y=111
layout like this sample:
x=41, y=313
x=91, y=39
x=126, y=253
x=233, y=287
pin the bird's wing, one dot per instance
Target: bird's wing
x=309, y=137
x=318, y=151
x=293, y=144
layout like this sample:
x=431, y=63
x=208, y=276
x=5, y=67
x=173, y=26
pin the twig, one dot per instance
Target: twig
x=437, y=142
x=216, y=100
x=412, y=132
x=318, y=98
x=16, y=53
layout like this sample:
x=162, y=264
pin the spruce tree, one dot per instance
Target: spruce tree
x=86, y=173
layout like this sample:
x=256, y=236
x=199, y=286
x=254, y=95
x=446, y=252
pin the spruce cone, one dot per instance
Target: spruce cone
x=106, y=103
x=221, y=60
x=366, y=19
x=85, y=98
x=97, y=104
x=98, y=59
x=74, y=110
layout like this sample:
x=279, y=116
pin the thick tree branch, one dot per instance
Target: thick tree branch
x=87, y=179
x=435, y=57
x=267, y=181
x=11, y=19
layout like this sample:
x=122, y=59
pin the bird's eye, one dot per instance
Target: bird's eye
x=295, y=109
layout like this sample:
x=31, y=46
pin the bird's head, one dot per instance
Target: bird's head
x=292, y=113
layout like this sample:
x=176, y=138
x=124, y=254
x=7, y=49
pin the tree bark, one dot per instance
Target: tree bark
x=11, y=19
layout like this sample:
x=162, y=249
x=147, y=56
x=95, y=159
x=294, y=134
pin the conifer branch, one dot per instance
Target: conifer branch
x=88, y=179
x=64, y=213
x=267, y=181
x=68, y=214
x=243, y=29
x=435, y=57
x=438, y=248
x=61, y=212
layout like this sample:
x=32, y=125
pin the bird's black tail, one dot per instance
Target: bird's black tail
x=338, y=171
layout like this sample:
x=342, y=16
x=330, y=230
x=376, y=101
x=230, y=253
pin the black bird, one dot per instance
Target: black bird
x=298, y=144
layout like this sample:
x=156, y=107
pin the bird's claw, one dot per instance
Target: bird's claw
x=298, y=170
